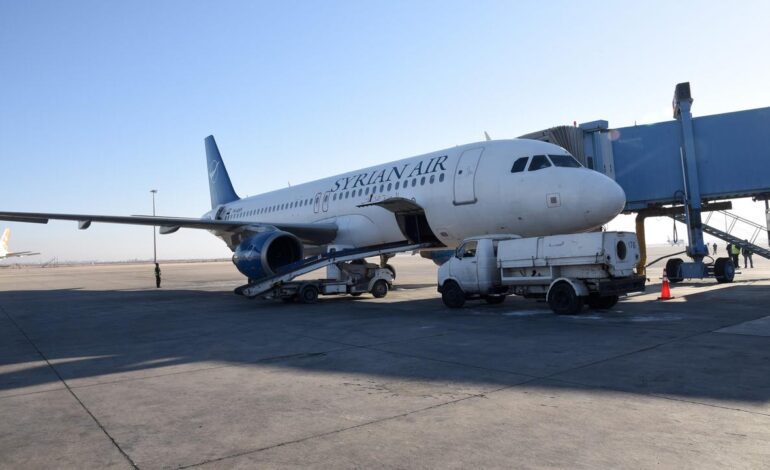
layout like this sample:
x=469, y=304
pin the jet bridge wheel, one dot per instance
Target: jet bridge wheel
x=724, y=270
x=563, y=299
x=672, y=270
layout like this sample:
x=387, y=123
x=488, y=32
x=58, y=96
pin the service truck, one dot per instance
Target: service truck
x=567, y=271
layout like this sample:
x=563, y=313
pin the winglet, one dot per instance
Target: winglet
x=220, y=187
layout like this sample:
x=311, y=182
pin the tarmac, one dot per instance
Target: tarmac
x=99, y=369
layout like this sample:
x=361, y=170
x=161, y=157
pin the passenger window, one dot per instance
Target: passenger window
x=519, y=165
x=566, y=161
x=441, y=178
x=539, y=162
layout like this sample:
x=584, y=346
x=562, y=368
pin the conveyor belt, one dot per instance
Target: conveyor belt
x=307, y=265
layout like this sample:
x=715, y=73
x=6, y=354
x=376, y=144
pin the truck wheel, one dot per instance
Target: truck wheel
x=308, y=294
x=672, y=270
x=724, y=270
x=392, y=270
x=563, y=299
x=495, y=299
x=289, y=299
x=380, y=289
x=452, y=295
x=602, y=303
x=356, y=294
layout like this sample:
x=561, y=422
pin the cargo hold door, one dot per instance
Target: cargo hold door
x=465, y=176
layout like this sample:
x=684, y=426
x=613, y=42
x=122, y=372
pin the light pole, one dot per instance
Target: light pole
x=154, y=243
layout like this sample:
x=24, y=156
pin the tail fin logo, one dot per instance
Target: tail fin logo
x=213, y=170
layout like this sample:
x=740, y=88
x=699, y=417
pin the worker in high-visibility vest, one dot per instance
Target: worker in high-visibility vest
x=735, y=250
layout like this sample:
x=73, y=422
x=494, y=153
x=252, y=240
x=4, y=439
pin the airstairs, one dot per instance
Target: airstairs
x=287, y=273
x=732, y=221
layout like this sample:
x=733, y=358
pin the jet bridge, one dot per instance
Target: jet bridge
x=681, y=168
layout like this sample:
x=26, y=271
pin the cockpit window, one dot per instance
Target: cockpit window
x=519, y=165
x=539, y=162
x=566, y=161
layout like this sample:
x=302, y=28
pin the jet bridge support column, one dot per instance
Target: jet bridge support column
x=692, y=198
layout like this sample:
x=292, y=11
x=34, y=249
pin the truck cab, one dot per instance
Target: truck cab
x=474, y=266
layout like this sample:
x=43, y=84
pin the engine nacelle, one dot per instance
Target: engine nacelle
x=263, y=254
x=438, y=257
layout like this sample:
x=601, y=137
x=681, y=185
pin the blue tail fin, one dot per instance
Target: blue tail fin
x=220, y=187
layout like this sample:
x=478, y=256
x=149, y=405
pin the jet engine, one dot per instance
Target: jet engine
x=261, y=255
x=438, y=257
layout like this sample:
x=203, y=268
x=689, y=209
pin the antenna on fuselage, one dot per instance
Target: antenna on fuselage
x=486, y=136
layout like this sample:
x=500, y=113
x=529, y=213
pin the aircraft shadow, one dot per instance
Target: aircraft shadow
x=669, y=349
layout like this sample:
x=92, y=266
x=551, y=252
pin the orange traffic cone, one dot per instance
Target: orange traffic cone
x=665, y=289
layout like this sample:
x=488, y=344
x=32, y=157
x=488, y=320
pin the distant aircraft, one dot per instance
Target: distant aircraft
x=674, y=242
x=4, y=253
x=521, y=187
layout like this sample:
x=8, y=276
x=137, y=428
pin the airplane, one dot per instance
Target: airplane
x=4, y=253
x=521, y=187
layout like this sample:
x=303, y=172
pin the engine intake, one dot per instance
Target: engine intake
x=265, y=253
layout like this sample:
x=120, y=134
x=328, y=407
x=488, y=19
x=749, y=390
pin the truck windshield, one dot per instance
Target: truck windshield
x=567, y=161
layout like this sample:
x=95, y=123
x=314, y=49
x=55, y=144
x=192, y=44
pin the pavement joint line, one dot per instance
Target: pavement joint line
x=64, y=382
x=16, y=395
x=349, y=428
x=657, y=395
x=219, y=366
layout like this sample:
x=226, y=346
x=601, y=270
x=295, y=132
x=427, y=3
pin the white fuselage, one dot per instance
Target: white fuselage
x=469, y=190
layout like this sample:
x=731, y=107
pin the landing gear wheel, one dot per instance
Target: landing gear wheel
x=380, y=289
x=391, y=269
x=308, y=294
x=495, y=299
x=602, y=303
x=672, y=270
x=452, y=295
x=563, y=299
x=724, y=270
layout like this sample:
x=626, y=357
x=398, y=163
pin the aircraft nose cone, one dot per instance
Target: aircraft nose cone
x=603, y=199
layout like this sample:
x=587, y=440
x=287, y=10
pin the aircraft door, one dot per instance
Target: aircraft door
x=465, y=176
x=317, y=203
x=325, y=203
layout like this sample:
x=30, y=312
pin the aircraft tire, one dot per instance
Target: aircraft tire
x=452, y=295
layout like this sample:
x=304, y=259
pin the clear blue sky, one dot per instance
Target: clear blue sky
x=102, y=101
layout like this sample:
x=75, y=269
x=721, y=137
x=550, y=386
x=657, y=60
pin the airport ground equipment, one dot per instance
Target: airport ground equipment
x=684, y=166
x=346, y=279
x=567, y=271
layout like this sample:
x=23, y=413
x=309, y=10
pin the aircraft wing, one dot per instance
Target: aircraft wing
x=308, y=233
x=19, y=254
